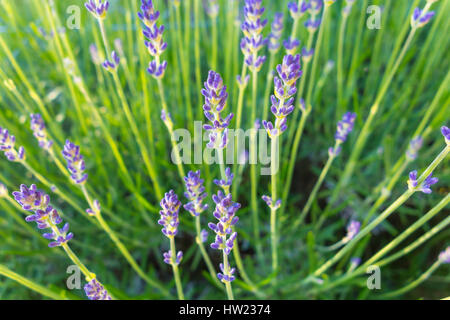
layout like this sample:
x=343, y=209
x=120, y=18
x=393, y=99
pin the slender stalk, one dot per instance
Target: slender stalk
x=269, y=80
x=386, y=213
x=176, y=272
x=214, y=43
x=316, y=188
x=340, y=65
x=424, y=276
x=226, y=267
x=4, y=271
x=211, y=269
x=273, y=221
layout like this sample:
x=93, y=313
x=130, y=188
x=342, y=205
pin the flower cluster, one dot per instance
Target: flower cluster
x=113, y=64
x=170, y=260
x=195, y=193
x=444, y=256
x=215, y=93
x=425, y=186
x=414, y=147
x=307, y=54
x=153, y=34
x=225, y=184
x=420, y=18
x=97, y=8
x=225, y=212
x=75, y=162
x=446, y=133
x=40, y=132
x=282, y=102
x=45, y=216
x=291, y=45
x=313, y=23
x=272, y=205
x=95, y=291
x=169, y=214
x=253, y=40
x=7, y=145
x=298, y=10
x=344, y=127
x=275, y=33
x=352, y=230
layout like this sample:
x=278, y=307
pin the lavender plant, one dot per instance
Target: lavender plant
x=122, y=89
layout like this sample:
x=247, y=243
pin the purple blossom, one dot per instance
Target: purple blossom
x=113, y=64
x=169, y=259
x=414, y=147
x=225, y=183
x=203, y=236
x=344, y=127
x=97, y=8
x=312, y=24
x=226, y=276
x=215, y=93
x=425, y=186
x=253, y=40
x=169, y=214
x=291, y=45
x=420, y=18
x=307, y=54
x=40, y=132
x=75, y=162
x=355, y=261
x=275, y=33
x=96, y=208
x=7, y=145
x=242, y=83
x=446, y=133
x=285, y=87
x=148, y=14
x=272, y=205
x=95, y=291
x=352, y=230
x=195, y=193
x=154, y=38
x=297, y=11
x=45, y=216
x=315, y=6
x=444, y=256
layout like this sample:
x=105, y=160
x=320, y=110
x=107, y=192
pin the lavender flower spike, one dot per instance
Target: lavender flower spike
x=95, y=291
x=285, y=87
x=297, y=11
x=270, y=203
x=291, y=45
x=420, y=18
x=352, y=230
x=169, y=214
x=307, y=54
x=414, y=147
x=75, y=162
x=446, y=133
x=195, y=193
x=444, y=256
x=148, y=14
x=97, y=8
x=7, y=145
x=215, y=93
x=113, y=64
x=275, y=33
x=253, y=39
x=45, y=216
x=425, y=186
x=40, y=132
x=225, y=184
x=344, y=127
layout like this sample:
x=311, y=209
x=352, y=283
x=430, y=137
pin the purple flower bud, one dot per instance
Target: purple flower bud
x=169, y=259
x=7, y=145
x=195, y=193
x=75, y=162
x=113, y=64
x=414, y=147
x=97, y=8
x=312, y=24
x=272, y=205
x=297, y=11
x=352, y=230
x=446, y=133
x=425, y=186
x=95, y=291
x=291, y=45
x=444, y=256
x=169, y=214
x=345, y=126
x=420, y=18
x=276, y=32
x=40, y=132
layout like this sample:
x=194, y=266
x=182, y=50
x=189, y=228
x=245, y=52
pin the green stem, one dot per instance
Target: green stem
x=176, y=272
x=273, y=222
x=29, y=283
